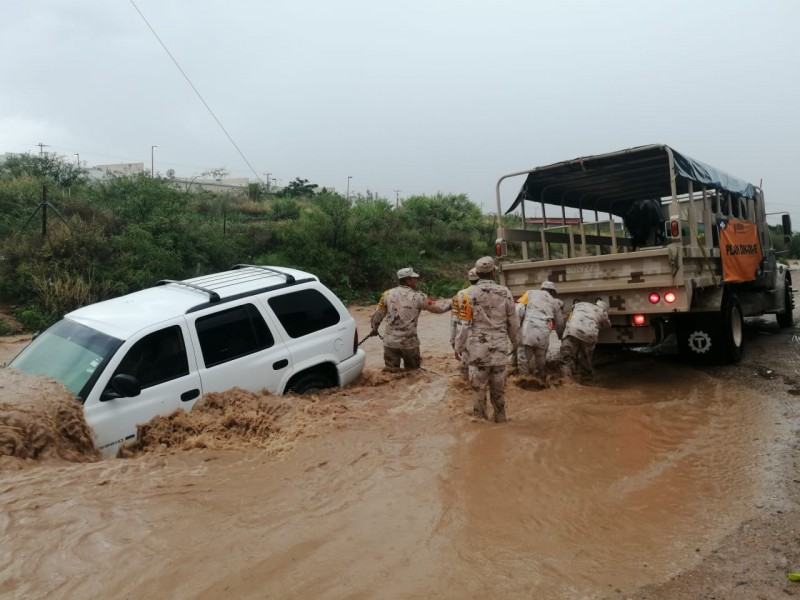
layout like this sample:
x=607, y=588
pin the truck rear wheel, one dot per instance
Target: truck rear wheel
x=713, y=337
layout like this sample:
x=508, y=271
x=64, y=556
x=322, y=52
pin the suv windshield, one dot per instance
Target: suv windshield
x=70, y=353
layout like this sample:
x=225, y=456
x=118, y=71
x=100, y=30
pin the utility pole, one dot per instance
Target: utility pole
x=44, y=205
x=397, y=198
x=152, y=161
x=79, y=159
x=42, y=147
x=349, y=177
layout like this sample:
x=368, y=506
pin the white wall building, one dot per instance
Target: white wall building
x=221, y=185
x=115, y=170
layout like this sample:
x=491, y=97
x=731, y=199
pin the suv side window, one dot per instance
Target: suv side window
x=304, y=312
x=232, y=333
x=158, y=357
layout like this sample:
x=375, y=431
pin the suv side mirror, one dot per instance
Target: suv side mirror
x=122, y=386
x=787, y=224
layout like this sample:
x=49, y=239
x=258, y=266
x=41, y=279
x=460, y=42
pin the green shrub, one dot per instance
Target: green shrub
x=127, y=233
x=33, y=318
x=5, y=328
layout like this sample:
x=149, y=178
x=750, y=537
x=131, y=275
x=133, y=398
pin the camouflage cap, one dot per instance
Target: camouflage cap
x=602, y=304
x=549, y=285
x=406, y=272
x=485, y=264
x=473, y=275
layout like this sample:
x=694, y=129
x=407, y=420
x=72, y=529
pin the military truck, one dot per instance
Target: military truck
x=673, y=245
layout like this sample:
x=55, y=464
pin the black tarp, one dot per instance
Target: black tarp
x=611, y=182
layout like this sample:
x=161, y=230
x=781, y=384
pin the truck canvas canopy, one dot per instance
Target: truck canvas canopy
x=611, y=182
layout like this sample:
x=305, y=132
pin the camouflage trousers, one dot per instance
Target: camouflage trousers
x=493, y=377
x=577, y=357
x=410, y=357
x=464, y=367
x=532, y=360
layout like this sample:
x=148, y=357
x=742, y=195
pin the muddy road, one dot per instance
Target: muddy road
x=658, y=480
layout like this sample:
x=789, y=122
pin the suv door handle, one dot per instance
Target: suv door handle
x=190, y=395
x=280, y=364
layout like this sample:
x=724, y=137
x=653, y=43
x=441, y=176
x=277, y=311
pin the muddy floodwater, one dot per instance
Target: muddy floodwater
x=390, y=489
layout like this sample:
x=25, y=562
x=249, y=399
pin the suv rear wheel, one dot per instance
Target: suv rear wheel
x=310, y=383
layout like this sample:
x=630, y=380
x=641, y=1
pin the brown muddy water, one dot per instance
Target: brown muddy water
x=389, y=489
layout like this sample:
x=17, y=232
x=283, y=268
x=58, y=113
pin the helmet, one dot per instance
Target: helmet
x=549, y=285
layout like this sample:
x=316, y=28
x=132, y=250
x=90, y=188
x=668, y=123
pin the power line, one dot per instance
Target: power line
x=211, y=112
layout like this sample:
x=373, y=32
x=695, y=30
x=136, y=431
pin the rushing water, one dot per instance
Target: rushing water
x=389, y=489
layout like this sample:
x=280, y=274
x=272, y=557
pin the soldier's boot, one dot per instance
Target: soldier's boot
x=479, y=409
x=566, y=369
x=499, y=407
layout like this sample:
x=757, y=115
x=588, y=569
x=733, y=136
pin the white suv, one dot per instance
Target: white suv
x=151, y=352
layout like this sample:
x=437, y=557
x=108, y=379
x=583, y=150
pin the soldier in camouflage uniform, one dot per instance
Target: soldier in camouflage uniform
x=518, y=355
x=541, y=314
x=580, y=336
x=490, y=320
x=456, y=322
x=401, y=307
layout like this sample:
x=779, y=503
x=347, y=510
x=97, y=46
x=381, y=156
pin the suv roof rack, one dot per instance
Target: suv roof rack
x=212, y=295
x=289, y=277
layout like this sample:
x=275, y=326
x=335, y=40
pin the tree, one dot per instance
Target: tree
x=442, y=221
x=52, y=167
x=794, y=246
x=217, y=174
x=776, y=235
x=299, y=188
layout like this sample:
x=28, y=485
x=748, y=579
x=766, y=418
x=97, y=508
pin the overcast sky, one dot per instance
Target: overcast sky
x=416, y=96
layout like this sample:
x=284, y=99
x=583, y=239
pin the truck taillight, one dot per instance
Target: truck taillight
x=675, y=229
x=501, y=248
x=654, y=297
x=670, y=297
x=638, y=320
